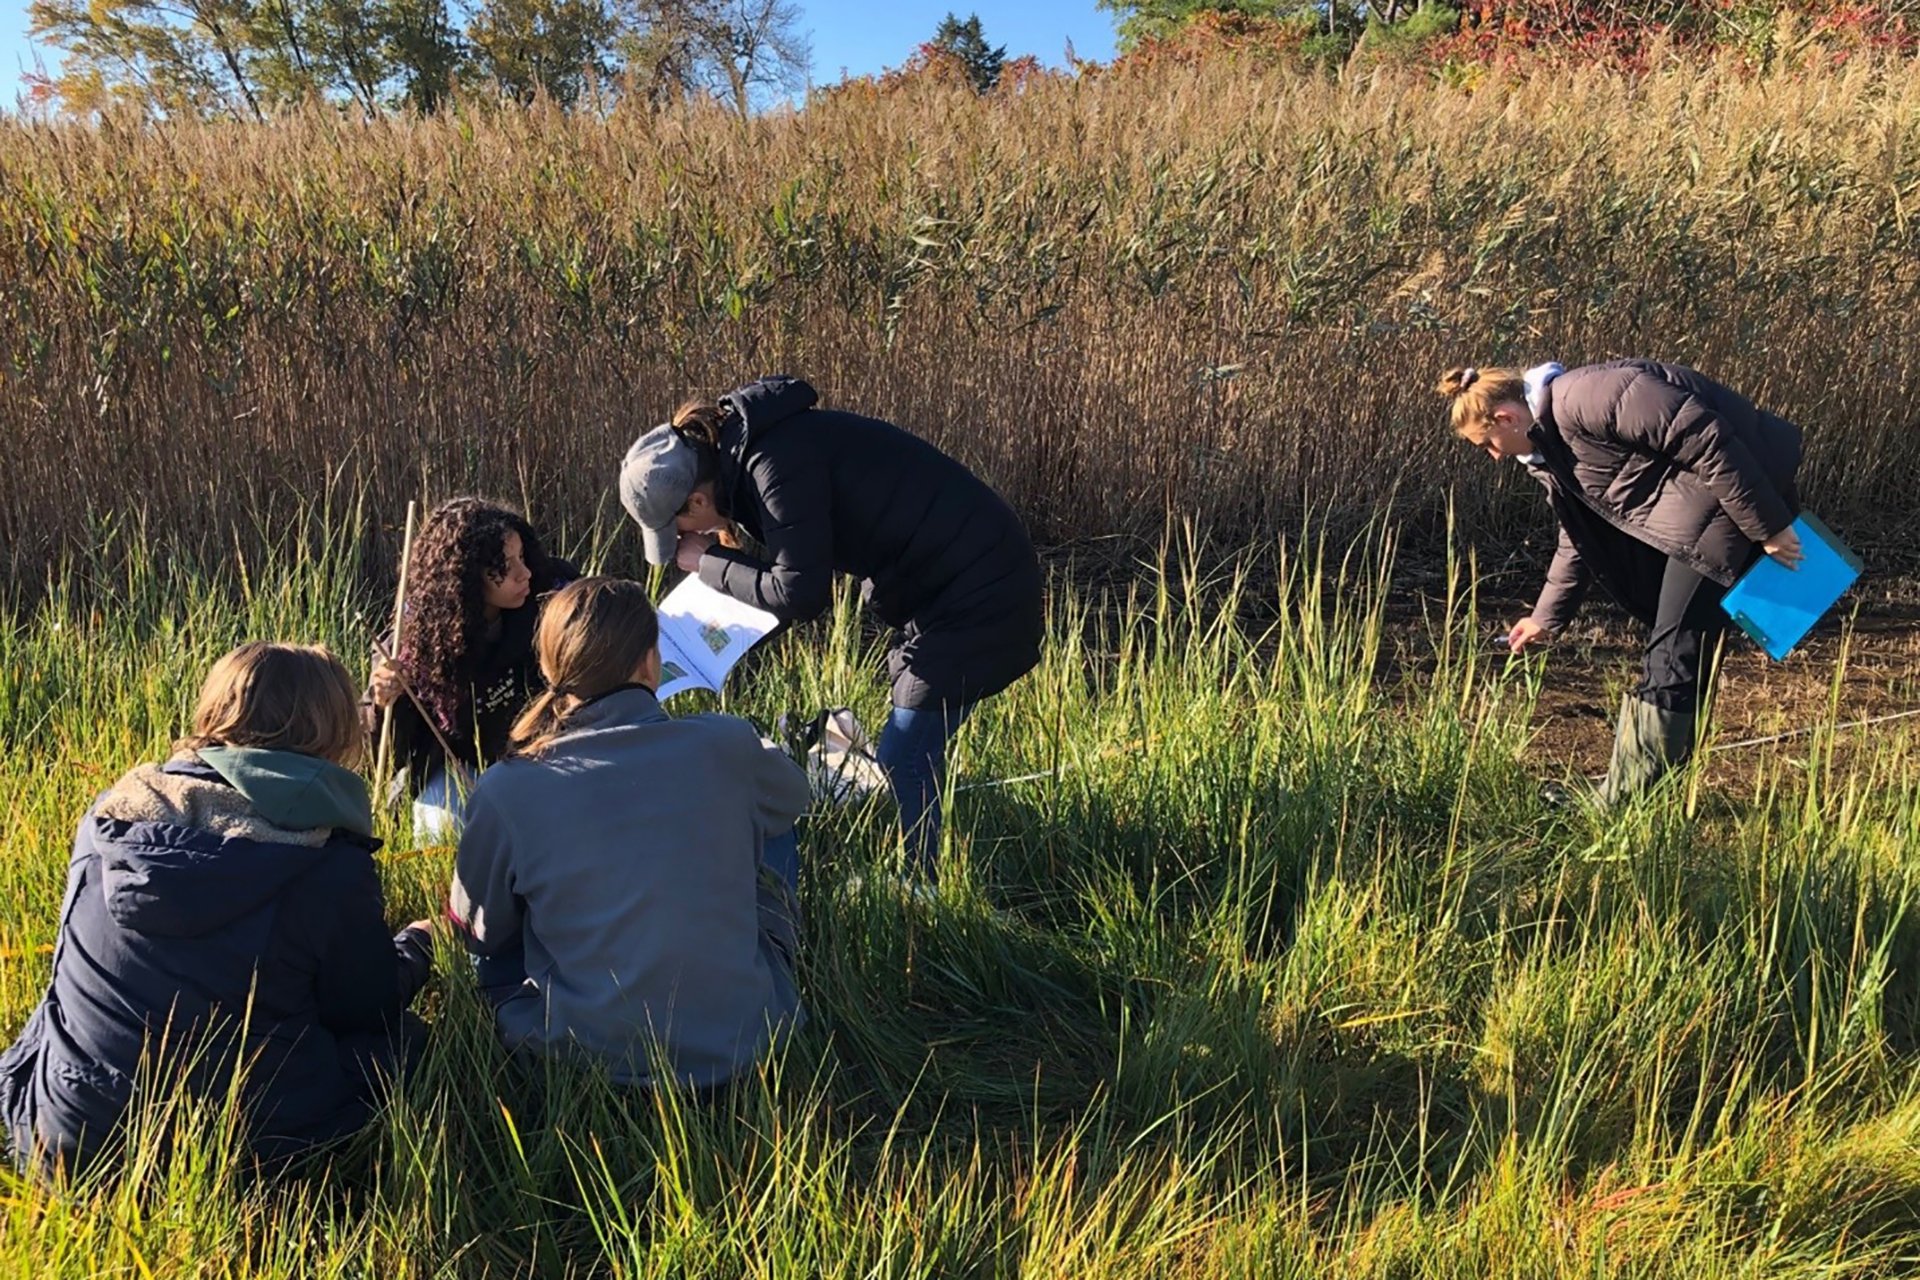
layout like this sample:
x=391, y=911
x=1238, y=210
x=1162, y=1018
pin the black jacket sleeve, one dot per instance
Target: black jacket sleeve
x=796, y=495
x=1565, y=588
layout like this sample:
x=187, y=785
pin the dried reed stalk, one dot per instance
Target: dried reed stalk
x=1222, y=291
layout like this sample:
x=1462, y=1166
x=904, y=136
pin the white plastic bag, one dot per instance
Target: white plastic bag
x=839, y=757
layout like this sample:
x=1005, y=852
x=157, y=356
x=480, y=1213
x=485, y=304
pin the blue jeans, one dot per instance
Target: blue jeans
x=440, y=809
x=781, y=853
x=913, y=751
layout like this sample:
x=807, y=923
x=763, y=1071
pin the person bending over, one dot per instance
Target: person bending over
x=1666, y=486
x=223, y=914
x=613, y=878
x=947, y=562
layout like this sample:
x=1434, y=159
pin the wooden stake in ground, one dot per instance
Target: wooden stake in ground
x=383, y=764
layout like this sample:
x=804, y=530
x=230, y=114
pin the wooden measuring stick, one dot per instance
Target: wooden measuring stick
x=383, y=767
x=406, y=687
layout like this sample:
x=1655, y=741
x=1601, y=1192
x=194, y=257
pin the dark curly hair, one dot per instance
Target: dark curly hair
x=463, y=540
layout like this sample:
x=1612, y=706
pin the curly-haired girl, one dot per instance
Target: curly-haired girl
x=475, y=578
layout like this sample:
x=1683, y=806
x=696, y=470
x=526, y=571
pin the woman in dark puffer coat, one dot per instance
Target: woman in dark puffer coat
x=223, y=914
x=947, y=561
x=1667, y=486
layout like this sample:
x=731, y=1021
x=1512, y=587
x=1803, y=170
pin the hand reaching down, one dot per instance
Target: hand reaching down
x=1525, y=632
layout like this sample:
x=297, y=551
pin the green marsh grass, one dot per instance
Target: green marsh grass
x=1279, y=969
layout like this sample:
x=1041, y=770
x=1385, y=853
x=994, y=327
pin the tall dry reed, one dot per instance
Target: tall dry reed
x=1223, y=290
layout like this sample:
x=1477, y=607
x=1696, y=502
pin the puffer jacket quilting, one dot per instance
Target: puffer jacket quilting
x=949, y=562
x=1667, y=457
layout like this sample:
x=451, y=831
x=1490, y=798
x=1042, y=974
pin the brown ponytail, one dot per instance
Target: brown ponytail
x=1476, y=393
x=700, y=423
x=593, y=635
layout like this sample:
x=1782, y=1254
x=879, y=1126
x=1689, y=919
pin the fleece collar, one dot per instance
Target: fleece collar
x=191, y=796
x=183, y=853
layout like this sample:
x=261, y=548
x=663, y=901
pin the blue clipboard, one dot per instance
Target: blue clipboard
x=1777, y=606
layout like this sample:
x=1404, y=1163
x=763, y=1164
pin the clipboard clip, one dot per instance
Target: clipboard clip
x=1754, y=630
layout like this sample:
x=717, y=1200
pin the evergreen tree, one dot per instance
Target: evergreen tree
x=968, y=42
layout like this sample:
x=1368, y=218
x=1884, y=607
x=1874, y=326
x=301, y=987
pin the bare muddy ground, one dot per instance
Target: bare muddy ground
x=1869, y=669
x=1876, y=632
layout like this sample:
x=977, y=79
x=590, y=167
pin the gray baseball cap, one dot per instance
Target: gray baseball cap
x=655, y=480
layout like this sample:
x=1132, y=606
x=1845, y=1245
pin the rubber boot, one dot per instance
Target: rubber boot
x=1649, y=742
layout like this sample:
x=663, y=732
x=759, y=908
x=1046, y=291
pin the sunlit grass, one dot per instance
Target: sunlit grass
x=1278, y=967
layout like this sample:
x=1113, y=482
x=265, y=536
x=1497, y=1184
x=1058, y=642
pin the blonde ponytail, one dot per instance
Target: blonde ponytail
x=1476, y=393
x=544, y=720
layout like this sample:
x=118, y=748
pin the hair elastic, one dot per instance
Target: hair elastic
x=1468, y=376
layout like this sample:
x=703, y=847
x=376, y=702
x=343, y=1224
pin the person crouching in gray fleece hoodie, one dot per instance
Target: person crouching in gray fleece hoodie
x=612, y=880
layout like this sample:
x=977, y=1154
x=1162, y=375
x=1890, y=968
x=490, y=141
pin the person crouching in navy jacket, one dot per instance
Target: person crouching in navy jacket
x=223, y=915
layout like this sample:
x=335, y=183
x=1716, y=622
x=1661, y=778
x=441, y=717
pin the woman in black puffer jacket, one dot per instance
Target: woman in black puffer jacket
x=1667, y=486
x=946, y=560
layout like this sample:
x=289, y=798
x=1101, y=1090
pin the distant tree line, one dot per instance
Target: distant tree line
x=1591, y=28
x=246, y=58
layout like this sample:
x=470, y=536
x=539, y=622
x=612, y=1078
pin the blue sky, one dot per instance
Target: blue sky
x=866, y=35
x=858, y=36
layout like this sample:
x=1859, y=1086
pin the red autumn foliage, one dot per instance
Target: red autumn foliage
x=1625, y=32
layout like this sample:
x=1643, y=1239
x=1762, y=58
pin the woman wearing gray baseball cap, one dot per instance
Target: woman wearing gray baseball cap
x=826, y=492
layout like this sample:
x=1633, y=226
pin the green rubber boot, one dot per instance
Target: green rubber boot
x=1649, y=742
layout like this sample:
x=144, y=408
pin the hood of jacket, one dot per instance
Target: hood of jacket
x=758, y=408
x=1539, y=404
x=1536, y=381
x=294, y=791
x=192, y=845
